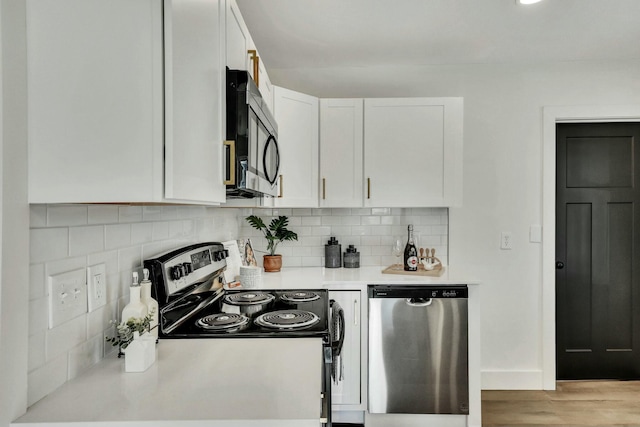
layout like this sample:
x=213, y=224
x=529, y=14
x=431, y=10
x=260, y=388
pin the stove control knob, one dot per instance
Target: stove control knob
x=218, y=255
x=177, y=272
x=188, y=268
x=226, y=253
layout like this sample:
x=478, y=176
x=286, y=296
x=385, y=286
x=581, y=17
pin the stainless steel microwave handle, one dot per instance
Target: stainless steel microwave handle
x=368, y=188
x=232, y=163
x=280, y=186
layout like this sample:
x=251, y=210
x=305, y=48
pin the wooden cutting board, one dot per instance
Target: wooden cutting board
x=436, y=272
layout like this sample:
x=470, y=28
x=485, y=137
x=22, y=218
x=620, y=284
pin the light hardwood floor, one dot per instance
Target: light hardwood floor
x=573, y=403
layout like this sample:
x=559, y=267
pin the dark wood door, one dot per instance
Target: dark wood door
x=597, y=249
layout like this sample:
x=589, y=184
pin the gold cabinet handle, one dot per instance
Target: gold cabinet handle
x=323, y=189
x=232, y=162
x=256, y=65
x=280, y=185
x=368, y=188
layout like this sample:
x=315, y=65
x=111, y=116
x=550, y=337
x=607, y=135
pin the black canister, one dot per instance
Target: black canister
x=351, y=258
x=333, y=254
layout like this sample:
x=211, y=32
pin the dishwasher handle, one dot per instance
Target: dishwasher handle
x=419, y=302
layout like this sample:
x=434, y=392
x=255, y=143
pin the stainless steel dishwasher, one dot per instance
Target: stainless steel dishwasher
x=418, y=349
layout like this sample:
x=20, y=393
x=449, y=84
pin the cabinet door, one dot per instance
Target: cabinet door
x=297, y=117
x=237, y=38
x=266, y=88
x=194, y=105
x=347, y=390
x=95, y=101
x=341, y=152
x=413, y=152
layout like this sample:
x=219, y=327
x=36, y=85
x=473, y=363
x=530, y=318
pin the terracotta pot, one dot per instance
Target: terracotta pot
x=272, y=263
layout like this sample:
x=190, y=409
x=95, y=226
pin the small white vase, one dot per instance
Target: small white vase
x=140, y=354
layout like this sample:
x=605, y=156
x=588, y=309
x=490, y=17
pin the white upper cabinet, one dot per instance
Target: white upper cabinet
x=341, y=149
x=413, y=152
x=238, y=40
x=297, y=117
x=97, y=114
x=194, y=101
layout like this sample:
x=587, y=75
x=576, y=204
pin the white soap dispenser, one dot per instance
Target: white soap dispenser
x=152, y=304
x=135, y=308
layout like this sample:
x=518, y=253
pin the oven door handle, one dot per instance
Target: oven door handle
x=336, y=345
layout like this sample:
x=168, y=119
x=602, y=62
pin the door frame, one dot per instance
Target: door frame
x=550, y=117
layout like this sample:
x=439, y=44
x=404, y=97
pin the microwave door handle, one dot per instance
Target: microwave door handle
x=232, y=162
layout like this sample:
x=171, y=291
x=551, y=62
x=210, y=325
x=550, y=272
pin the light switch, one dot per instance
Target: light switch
x=535, y=233
x=67, y=296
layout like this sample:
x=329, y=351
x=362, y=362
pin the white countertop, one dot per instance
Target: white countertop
x=337, y=278
x=195, y=380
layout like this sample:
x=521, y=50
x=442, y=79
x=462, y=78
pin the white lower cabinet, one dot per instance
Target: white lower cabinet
x=346, y=391
x=125, y=101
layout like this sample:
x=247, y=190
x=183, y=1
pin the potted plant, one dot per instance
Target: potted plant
x=275, y=233
x=135, y=342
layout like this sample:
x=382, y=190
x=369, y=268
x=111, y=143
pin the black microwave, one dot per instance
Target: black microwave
x=252, y=154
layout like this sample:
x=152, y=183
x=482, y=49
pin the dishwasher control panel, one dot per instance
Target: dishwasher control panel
x=417, y=291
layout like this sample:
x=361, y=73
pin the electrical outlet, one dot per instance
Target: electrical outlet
x=506, y=240
x=96, y=286
x=67, y=296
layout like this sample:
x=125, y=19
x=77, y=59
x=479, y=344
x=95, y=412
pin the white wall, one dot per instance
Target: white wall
x=15, y=214
x=502, y=179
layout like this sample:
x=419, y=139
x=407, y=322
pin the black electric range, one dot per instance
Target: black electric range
x=188, y=284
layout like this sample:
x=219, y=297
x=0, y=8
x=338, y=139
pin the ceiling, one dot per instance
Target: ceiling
x=307, y=34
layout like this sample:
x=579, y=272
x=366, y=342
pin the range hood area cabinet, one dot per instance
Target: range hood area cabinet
x=125, y=104
x=242, y=53
x=391, y=152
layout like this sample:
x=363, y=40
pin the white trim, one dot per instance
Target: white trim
x=511, y=379
x=551, y=116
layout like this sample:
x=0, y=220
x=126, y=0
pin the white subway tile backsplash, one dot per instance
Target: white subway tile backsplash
x=152, y=213
x=103, y=214
x=311, y=220
x=86, y=240
x=38, y=216
x=58, y=216
x=37, y=351
x=48, y=244
x=85, y=355
x=63, y=338
x=141, y=233
x=37, y=288
x=370, y=230
x=160, y=230
x=38, y=315
x=64, y=265
x=46, y=379
x=380, y=211
x=117, y=236
x=281, y=211
x=130, y=213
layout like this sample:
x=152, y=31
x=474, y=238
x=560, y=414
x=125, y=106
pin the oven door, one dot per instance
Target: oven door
x=265, y=160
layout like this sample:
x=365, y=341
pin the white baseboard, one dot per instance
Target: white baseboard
x=511, y=380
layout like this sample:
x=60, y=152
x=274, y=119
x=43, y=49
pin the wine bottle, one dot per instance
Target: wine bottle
x=410, y=253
